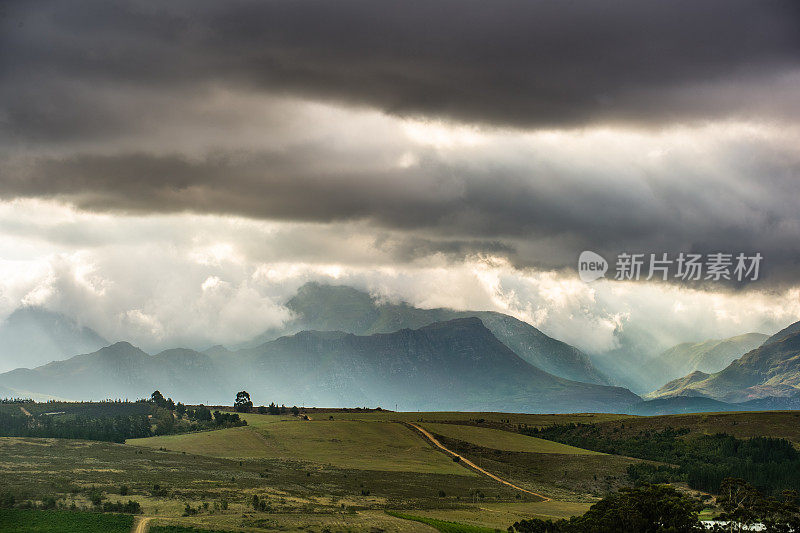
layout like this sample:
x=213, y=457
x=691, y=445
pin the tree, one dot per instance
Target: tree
x=645, y=509
x=295, y=410
x=243, y=404
x=158, y=399
x=740, y=501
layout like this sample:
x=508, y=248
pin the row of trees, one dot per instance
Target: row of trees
x=109, y=429
x=171, y=417
x=112, y=421
x=243, y=404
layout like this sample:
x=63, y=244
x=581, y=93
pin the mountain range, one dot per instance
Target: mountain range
x=346, y=347
x=771, y=370
x=341, y=308
x=453, y=365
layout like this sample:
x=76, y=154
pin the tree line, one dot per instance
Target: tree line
x=87, y=421
x=704, y=461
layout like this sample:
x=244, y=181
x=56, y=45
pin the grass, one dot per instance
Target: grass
x=502, y=440
x=443, y=525
x=341, y=474
x=511, y=419
x=35, y=521
x=364, y=445
x=299, y=494
x=570, y=477
x=182, y=529
x=231, y=443
x=502, y=515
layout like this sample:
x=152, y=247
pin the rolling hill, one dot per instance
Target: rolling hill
x=341, y=308
x=457, y=365
x=33, y=336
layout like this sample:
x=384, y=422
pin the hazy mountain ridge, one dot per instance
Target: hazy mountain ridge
x=33, y=336
x=708, y=356
x=119, y=371
x=771, y=370
x=452, y=365
x=343, y=308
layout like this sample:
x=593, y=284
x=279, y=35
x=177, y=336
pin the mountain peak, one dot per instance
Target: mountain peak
x=32, y=336
x=323, y=307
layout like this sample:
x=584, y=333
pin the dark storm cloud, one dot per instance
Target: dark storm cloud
x=81, y=83
x=551, y=63
x=461, y=208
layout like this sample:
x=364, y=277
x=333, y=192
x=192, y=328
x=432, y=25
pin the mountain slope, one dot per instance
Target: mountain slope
x=122, y=371
x=788, y=330
x=341, y=308
x=769, y=370
x=456, y=365
x=33, y=336
x=707, y=356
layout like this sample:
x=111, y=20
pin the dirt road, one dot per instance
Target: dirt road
x=141, y=525
x=472, y=465
x=25, y=411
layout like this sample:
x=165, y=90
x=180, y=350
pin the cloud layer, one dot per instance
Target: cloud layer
x=538, y=63
x=213, y=156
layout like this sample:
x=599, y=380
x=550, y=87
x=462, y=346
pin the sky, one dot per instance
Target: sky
x=170, y=173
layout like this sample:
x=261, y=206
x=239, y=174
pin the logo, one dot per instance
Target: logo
x=591, y=266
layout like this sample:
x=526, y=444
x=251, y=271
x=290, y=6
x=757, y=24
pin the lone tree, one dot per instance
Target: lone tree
x=243, y=404
x=158, y=399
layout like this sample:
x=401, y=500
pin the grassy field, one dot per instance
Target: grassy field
x=511, y=419
x=501, y=515
x=33, y=521
x=298, y=495
x=342, y=474
x=502, y=440
x=783, y=424
x=445, y=526
x=340, y=443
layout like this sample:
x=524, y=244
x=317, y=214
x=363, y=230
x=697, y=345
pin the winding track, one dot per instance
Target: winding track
x=142, y=525
x=472, y=465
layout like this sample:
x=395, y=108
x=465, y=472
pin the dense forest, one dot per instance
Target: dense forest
x=703, y=461
x=111, y=421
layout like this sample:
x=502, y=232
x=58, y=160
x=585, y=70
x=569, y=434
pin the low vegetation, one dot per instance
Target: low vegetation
x=442, y=525
x=57, y=521
x=312, y=470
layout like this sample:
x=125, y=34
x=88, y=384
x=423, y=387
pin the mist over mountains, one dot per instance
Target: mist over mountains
x=342, y=308
x=453, y=365
x=345, y=347
x=33, y=336
x=771, y=370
